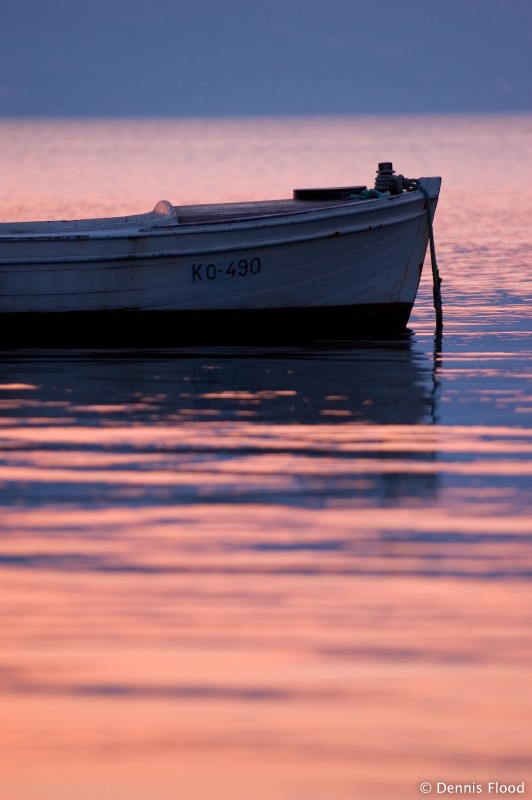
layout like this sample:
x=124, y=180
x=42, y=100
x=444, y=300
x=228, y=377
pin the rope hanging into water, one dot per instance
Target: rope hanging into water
x=388, y=181
x=436, y=279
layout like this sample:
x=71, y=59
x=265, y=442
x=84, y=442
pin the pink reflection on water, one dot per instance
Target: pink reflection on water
x=364, y=685
x=83, y=168
x=202, y=608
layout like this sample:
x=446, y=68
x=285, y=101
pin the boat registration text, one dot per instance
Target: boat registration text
x=235, y=269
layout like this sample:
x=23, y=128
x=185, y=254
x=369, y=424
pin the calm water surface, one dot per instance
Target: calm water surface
x=273, y=573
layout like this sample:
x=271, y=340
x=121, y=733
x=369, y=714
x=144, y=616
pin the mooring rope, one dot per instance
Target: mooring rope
x=436, y=279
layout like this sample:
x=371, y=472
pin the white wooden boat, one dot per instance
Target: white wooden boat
x=326, y=263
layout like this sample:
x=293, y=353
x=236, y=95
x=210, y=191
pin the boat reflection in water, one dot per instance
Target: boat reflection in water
x=319, y=405
x=372, y=381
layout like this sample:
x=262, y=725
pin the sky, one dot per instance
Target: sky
x=134, y=58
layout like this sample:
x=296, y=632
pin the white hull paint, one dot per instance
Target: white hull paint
x=244, y=257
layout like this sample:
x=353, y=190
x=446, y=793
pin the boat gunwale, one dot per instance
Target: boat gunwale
x=125, y=228
x=202, y=250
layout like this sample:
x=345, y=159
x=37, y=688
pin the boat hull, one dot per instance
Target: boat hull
x=173, y=328
x=333, y=270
